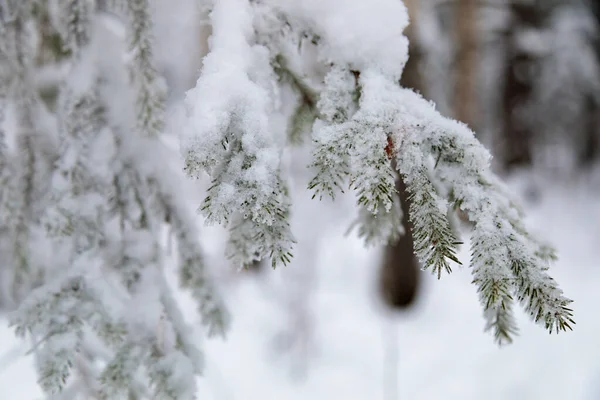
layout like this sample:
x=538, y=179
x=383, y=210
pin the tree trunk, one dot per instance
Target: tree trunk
x=465, y=104
x=400, y=271
x=519, y=86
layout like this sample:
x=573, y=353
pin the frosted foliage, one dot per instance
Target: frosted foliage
x=196, y=279
x=83, y=211
x=228, y=133
x=363, y=121
x=360, y=34
x=507, y=261
x=568, y=82
x=120, y=371
x=173, y=377
x=226, y=108
x=55, y=360
x=7, y=200
x=170, y=371
x=337, y=99
x=355, y=148
x=372, y=175
x=380, y=228
x=331, y=157
x=149, y=109
x=78, y=185
x=26, y=157
x=247, y=242
x=86, y=194
x=57, y=321
x=76, y=14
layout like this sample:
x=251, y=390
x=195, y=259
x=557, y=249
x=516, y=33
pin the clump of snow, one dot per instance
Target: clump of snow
x=358, y=33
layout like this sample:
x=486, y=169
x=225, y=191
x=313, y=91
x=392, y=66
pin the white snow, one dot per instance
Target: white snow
x=359, y=33
x=328, y=291
x=442, y=350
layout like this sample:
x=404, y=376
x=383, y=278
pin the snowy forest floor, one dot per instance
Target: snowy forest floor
x=346, y=344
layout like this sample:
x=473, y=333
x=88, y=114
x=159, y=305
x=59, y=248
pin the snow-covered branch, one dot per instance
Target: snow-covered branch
x=365, y=121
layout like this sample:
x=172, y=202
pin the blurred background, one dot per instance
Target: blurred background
x=525, y=76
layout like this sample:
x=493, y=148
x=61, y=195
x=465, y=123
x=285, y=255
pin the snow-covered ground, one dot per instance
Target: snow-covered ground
x=349, y=342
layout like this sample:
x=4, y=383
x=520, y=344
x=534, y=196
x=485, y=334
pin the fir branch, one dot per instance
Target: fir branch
x=333, y=140
x=75, y=32
x=183, y=333
x=330, y=159
x=230, y=137
x=193, y=274
x=120, y=371
x=337, y=99
x=301, y=122
x=285, y=38
x=248, y=242
x=98, y=350
x=494, y=284
x=149, y=106
x=433, y=238
x=354, y=144
x=17, y=56
x=286, y=73
x=56, y=313
x=383, y=227
x=501, y=322
x=372, y=177
x=515, y=262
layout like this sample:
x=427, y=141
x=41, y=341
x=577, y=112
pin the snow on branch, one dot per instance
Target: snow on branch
x=103, y=201
x=98, y=201
x=228, y=135
x=149, y=105
x=506, y=260
x=366, y=126
x=193, y=274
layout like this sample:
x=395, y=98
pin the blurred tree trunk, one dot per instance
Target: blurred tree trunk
x=593, y=144
x=543, y=111
x=464, y=102
x=399, y=274
x=519, y=67
x=591, y=147
x=399, y=271
x=412, y=76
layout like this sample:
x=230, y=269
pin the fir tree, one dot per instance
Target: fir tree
x=364, y=119
x=83, y=178
x=105, y=207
